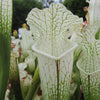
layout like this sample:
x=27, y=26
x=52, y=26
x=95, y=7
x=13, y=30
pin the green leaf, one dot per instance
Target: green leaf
x=5, y=35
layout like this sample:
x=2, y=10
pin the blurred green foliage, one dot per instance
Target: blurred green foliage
x=75, y=6
x=97, y=35
x=21, y=9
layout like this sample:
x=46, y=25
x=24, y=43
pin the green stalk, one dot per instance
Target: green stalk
x=76, y=76
x=97, y=35
x=14, y=76
x=5, y=40
x=34, y=86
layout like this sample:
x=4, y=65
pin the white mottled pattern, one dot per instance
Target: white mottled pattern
x=55, y=51
x=89, y=64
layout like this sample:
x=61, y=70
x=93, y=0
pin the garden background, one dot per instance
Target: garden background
x=22, y=7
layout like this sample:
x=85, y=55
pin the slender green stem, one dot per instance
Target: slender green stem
x=34, y=86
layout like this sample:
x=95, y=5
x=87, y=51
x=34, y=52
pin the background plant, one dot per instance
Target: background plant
x=21, y=9
x=89, y=64
x=75, y=6
x=88, y=49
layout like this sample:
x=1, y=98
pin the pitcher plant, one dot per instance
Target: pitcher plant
x=89, y=64
x=55, y=52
